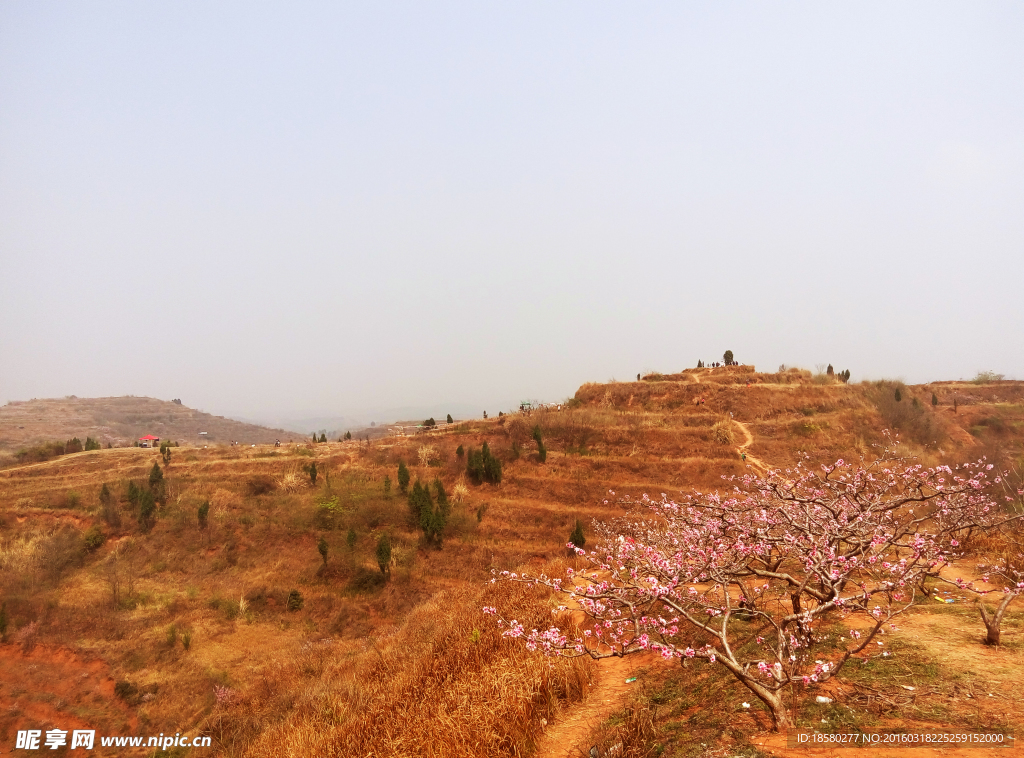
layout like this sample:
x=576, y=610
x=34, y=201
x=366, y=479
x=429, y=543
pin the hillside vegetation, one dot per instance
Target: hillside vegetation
x=245, y=592
x=118, y=422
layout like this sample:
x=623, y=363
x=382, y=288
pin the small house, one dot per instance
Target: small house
x=148, y=441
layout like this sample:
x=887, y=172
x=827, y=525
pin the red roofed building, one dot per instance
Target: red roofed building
x=148, y=441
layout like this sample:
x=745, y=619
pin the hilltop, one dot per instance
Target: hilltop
x=119, y=421
x=296, y=652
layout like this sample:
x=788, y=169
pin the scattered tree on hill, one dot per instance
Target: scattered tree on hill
x=311, y=470
x=830, y=371
x=383, y=555
x=91, y=444
x=316, y=438
x=577, y=539
x=295, y=601
x=108, y=507
x=542, y=452
x=1007, y=574
x=323, y=436
x=898, y=396
x=430, y=518
x=450, y=419
x=387, y=486
x=176, y=401
x=203, y=514
x=935, y=399
x=482, y=467
x=700, y=364
x=348, y=435
x=322, y=548
x=485, y=414
x=727, y=357
x=156, y=475
x=147, y=510
x=759, y=574
x=350, y=539
x=844, y=376
x=430, y=422
x=73, y=445
x=165, y=452
x=459, y=451
x=403, y=477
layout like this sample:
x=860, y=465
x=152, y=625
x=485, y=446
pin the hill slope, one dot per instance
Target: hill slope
x=293, y=651
x=120, y=421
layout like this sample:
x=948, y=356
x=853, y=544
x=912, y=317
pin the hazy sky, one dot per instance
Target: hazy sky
x=273, y=209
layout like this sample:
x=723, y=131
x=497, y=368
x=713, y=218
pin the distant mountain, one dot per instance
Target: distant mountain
x=120, y=421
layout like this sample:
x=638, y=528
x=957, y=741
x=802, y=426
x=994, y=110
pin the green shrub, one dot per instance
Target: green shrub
x=186, y=640
x=295, y=601
x=260, y=484
x=203, y=514
x=321, y=547
x=459, y=452
x=172, y=635
x=93, y=539
x=350, y=539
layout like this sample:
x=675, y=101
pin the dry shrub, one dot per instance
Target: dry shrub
x=445, y=684
x=426, y=454
x=292, y=481
x=260, y=484
x=632, y=736
x=225, y=499
x=460, y=493
x=721, y=432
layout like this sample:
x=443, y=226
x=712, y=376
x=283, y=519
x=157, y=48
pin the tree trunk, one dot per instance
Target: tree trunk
x=995, y=621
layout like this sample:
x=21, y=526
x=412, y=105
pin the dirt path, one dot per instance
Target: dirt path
x=742, y=449
x=567, y=736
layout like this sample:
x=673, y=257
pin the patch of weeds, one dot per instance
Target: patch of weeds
x=366, y=580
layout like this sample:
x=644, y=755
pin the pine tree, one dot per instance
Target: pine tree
x=898, y=396
x=459, y=451
x=728, y=357
x=321, y=547
x=935, y=400
x=450, y=418
x=312, y=473
x=203, y=514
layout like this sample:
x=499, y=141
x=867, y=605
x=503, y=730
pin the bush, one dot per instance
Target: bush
x=350, y=539
x=295, y=601
x=430, y=422
x=459, y=451
x=127, y=691
x=387, y=486
x=93, y=539
x=186, y=640
x=366, y=580
x=312, y=473
x=203, y=514
x=482, y=467
x=260, y=484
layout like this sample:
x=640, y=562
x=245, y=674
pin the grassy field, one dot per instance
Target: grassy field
x=236, y=625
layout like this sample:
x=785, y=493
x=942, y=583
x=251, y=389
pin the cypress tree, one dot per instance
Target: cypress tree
x=577, y=537
x=935, y=400
x=383, y=554
x=321, y=547
x=403, y=477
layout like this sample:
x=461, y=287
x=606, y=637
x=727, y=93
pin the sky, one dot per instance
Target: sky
x=287, y=210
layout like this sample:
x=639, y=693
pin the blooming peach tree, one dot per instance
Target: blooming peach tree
x=758, y=579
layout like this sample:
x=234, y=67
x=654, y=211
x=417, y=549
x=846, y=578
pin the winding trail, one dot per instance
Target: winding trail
x=749, y=459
